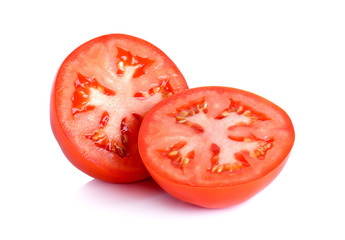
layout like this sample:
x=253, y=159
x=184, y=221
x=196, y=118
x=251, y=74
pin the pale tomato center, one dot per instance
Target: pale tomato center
x=228, y=154
x=119, y=101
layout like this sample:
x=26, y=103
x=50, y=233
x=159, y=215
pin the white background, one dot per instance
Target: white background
x=290, y=52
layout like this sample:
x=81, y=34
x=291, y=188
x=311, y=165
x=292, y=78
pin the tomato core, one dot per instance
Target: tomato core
x=195, y=116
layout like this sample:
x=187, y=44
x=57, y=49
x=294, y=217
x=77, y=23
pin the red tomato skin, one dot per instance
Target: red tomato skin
x=83, y=164
x=220, y=197
x=211, y=197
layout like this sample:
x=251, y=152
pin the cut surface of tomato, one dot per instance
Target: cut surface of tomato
x=223, y=145
x=100, y=95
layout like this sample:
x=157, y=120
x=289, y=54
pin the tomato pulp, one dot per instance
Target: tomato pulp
x=222, y=146
x=101, y=92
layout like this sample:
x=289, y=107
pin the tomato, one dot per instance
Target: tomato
x=101, y=92
x=222, y=146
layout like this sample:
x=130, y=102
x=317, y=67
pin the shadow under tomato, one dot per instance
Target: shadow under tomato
x=144, y=196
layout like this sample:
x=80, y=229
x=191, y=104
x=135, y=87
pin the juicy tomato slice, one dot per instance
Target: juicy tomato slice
x=100, y=95
x=222, y=146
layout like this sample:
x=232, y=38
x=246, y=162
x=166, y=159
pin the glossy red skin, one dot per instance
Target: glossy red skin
x=217, y=197
x=80, y=162
x=208, y=197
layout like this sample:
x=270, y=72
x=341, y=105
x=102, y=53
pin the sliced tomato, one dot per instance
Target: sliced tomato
x=101, y=92
x=222, y=146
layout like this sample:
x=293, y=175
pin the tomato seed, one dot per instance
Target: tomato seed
x=121, y=65
x=247, y=113
x=225, y=114
x=156, y=89
x=172, y=153
x=204, y=105
x=184, y=161
x=181, y=120
x=183, y=113
x=240, y=109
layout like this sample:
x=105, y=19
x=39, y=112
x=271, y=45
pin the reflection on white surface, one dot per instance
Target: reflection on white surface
x=144, y=196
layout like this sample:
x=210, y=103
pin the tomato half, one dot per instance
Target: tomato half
x=215, y=146
x=101, y=92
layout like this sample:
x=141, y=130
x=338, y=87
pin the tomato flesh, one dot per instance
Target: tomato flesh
x=218, y=138
x=101, y=93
